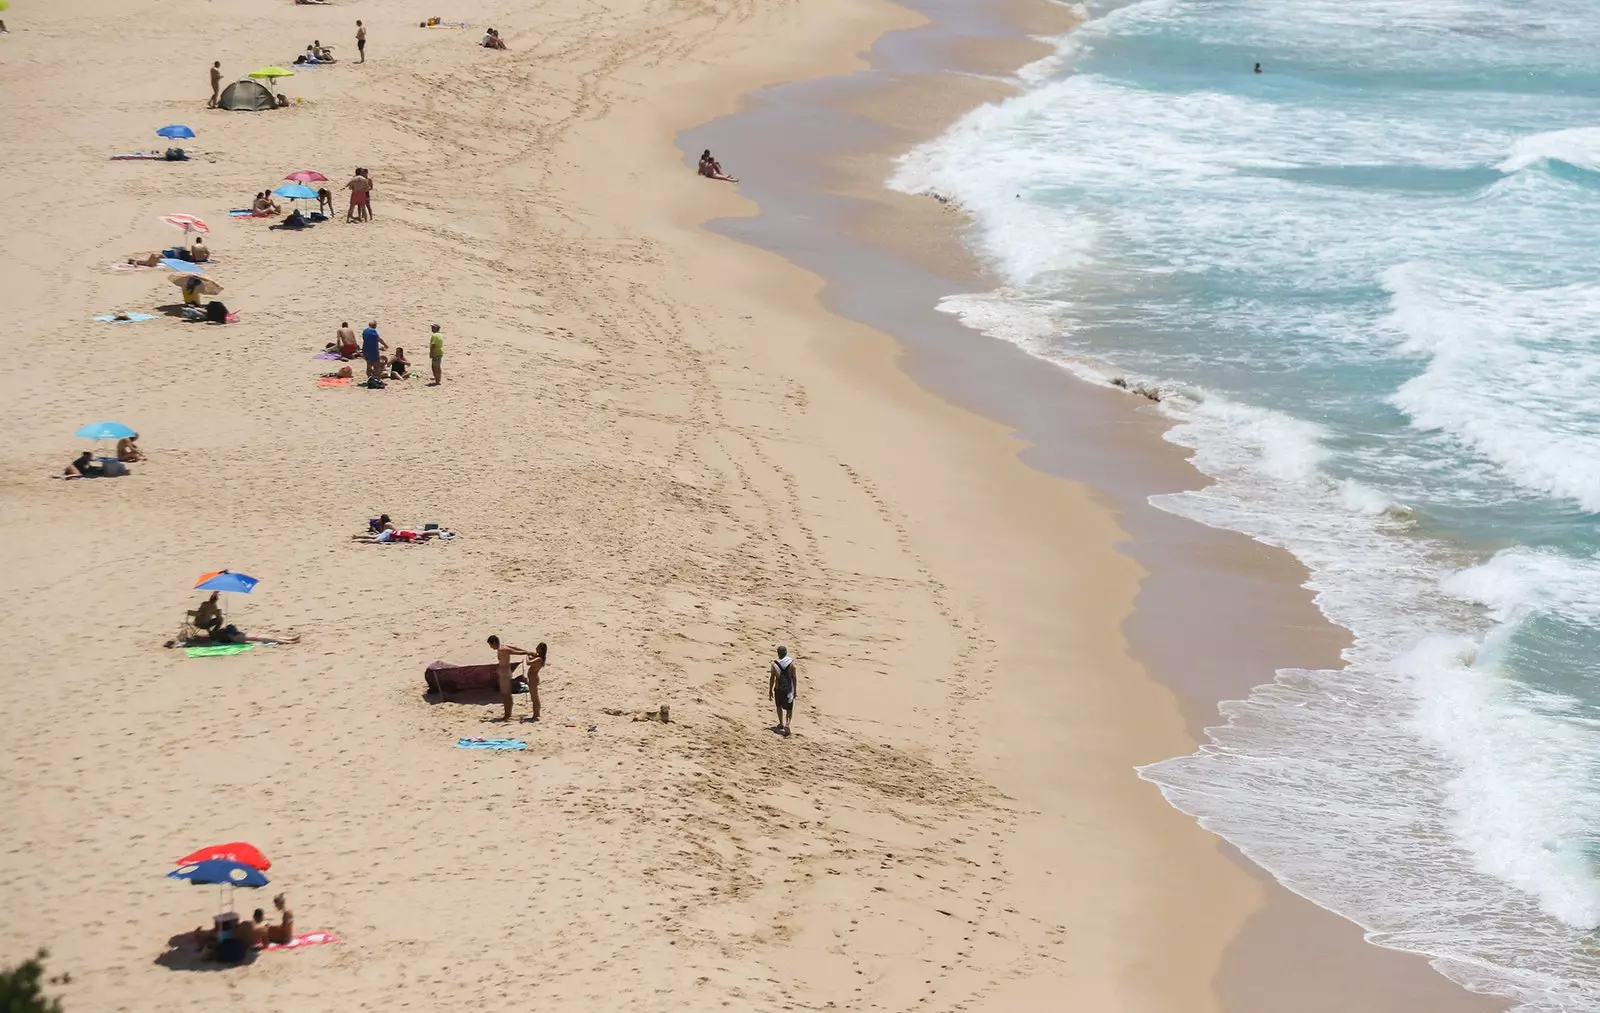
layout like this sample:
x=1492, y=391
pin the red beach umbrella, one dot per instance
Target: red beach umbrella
x=238, y=851
x=188, y=223
x=306, y=176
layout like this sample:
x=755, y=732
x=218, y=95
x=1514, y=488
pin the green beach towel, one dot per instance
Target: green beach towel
x=218, y=651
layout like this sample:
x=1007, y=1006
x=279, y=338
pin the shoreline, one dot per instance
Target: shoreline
x=925, y=70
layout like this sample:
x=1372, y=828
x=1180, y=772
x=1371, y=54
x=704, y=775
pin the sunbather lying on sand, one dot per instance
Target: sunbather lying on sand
x=390, y=533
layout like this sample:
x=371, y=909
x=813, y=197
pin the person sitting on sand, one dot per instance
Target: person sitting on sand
x=199, y=252
x=282, y=932
x=399, y=368
x=264, y=206
x=710, y=168
x=128, y=449
x=344, y=342
x=208, y=616
x=323, y=53
x=83, y=467
x=492, y=40
x=296, y=220
x=377, y=524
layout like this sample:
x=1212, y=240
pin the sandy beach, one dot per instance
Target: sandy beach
x=663, y=456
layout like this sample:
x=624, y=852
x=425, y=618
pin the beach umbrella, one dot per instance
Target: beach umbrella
x=181, y=266
x=306, y=176
x=175, y=130
x=296, y=191
x=104, y=431
x=207, y=286
x=236, y=851
x=188, y=223
x=220, y=872
x=226, y=580
x=270, y=74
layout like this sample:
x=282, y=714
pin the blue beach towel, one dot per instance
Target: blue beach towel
x=133, y=318
x=491, y=744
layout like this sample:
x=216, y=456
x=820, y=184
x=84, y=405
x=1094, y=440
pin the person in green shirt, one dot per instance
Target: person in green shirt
x=435, y=354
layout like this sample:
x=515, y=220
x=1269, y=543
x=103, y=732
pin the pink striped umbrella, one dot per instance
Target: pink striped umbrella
x=306, y=176
x=188, y=223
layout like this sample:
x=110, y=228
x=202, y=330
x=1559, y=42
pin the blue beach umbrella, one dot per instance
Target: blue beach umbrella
x=104, y=431
x=220, y=872
x=296, y=191
x=226, y=580
x=175, y=130
x=182, y=266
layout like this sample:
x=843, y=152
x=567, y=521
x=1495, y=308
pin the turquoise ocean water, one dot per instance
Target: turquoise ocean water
x=1368, y=280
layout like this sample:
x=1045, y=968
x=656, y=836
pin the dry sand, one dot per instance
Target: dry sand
x=663, y=459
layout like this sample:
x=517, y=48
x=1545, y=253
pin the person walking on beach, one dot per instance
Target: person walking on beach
x=371, y=344
x=436, y=355
x=361, y=41
x=781, y=687
x=503, y=656
x=216, y=84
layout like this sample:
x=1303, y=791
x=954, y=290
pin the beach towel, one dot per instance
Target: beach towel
x=138, y=156
x=334, y=381
x=245, y=213
x=453, y=25
x=303, y=940
x=130, y=267
x=133, y=318
x=335, y=356
x=220, y=650
x=491, y=744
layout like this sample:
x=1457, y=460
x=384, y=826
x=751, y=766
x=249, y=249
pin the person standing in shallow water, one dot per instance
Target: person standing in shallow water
x=781, y=686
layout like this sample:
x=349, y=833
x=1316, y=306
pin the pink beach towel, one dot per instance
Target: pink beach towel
x=334, y=381
x=303, y=940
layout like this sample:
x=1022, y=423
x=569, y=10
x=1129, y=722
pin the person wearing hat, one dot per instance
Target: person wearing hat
x=781, y=686
x=436, y=355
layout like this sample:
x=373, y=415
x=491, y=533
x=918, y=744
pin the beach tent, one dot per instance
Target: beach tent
x=251, y=96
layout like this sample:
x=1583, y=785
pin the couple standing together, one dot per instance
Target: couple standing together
x=360, y=187
x=503, y=654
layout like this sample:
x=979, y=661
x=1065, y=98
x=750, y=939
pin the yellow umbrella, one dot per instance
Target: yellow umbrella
x=271, y=72
x=206, y=285
x=4, y=6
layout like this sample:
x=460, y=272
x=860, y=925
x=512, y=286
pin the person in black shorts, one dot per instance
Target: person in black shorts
x=781, y=687
x=361, y=41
